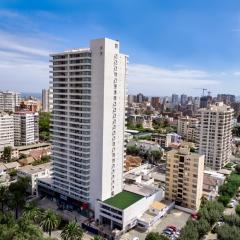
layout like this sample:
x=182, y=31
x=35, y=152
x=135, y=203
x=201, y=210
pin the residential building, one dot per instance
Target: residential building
x=166, y=140
x=26, y=128
x=9, y=101
x=88, y=121
x=45, y=100
x=214, y=135
x=205, y=101
x=184, y=178
x=140, y=98
x=187, y=128
x=34, y=173
x=6, y=130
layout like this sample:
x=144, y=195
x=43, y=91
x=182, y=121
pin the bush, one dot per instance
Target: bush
x=227, y=232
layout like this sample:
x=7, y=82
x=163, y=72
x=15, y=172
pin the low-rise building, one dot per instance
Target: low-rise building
x=184, y=178
x=34, y=173
x=166, y=140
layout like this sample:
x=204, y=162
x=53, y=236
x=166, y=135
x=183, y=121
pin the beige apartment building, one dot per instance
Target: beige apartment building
x=184, y=178
x=187, y=127
x=214, y=135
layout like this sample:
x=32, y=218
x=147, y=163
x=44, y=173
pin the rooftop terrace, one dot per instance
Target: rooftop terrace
x=123, y=200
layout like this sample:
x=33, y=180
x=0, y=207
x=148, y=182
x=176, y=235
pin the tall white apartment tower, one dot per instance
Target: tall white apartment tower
x=215, y=134
x=88, y=121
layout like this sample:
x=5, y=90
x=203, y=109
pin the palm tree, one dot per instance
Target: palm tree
x=72, y=231
x=3, y=196
x=49, y=222
x=32, y=213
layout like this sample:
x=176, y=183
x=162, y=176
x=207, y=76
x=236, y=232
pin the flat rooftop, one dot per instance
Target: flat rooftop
x=29, y=169
x=123, y=200
x=141, y=190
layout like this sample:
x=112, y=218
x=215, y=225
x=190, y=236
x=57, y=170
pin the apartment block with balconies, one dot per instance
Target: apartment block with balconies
x=184, y=178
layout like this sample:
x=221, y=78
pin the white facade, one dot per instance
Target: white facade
x=89, y=95
x=34, y=173
x=6, y=130
x=214, y=135
x=26, y=129
x=9, y=101
x=45, y=100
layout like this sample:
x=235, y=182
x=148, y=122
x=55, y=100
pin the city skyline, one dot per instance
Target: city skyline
x=185, y=47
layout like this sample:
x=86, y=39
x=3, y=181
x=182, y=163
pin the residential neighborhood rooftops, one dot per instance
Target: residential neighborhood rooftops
x=123, y=199
x=158, y=205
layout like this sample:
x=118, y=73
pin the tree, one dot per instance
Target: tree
x=133, y=150
x=44, y=126
x=237, y=168
x=202, y=227
x=237, y=209
x=227, y=232
x=3, y=196
x=97, y=238
x=189, y=232
x=72, y=231
x=155, y=156
x=17, y=194
x=50, y=221
x=32, y=212
x=7, y=153
x=155, y=236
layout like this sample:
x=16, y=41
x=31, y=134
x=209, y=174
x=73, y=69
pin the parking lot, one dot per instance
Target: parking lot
x=176, y=218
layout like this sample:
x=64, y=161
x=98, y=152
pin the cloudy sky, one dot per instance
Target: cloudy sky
x=174, y=46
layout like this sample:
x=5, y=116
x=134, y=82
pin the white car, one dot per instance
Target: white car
x=135, y=238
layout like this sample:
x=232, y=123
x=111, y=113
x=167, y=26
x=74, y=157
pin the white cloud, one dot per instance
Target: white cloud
x=156, y=81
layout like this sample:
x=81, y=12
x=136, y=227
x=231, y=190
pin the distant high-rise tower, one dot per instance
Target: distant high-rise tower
x=214, y=135
x=45, y=100
x=174, y=99
x=88, y=121
x=184, y=99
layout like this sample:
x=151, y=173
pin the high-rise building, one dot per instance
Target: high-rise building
x=140, y=98
x=205, y=101
x=45, y=100
x=6, y=130
x=130, y=99
x=26, y=128
x=9, y=101
x=184, y=178
x=187, y=128
x=227, y=99
x=184, y=99
x=155, y=102
x=215, y=134
x=88, y=121
x=174, y=100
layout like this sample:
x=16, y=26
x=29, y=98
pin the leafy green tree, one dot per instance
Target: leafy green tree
x=97, y=238
x=50, y=221
x=189, y=232
x=202, y=227
x=155, y=236
x=44, y=126
x=3, y=196
x=227, y=232
x=237, y=168
x=237, y=209
x=7, y=153
x=155, y=156
x=32, y=212
x=17, y=194
x=224, y=200
x=133, y=150
x=72, y=231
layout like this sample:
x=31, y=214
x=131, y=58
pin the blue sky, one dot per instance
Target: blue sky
x=174, y=46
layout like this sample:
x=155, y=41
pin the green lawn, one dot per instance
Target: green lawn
x=123, y=199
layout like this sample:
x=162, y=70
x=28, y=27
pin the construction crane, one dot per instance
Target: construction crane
x=203, y=90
